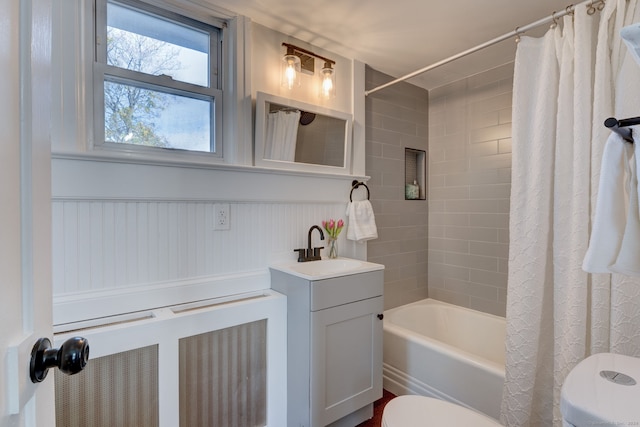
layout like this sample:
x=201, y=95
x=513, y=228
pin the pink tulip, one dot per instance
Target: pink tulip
x=332, y=227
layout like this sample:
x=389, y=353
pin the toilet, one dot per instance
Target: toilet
x=602, y=390
x=422, y=411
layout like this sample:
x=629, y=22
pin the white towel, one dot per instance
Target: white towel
x=636, y=155
x=628, y=260
x=362, y=222
x=610, y=218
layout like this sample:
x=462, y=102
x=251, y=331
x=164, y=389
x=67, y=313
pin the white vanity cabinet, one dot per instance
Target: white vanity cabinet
x=334, y=347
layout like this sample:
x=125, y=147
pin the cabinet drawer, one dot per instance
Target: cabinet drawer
x=343, y=290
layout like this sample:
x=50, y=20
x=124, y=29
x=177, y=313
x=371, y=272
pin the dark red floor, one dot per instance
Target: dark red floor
x=378, y=407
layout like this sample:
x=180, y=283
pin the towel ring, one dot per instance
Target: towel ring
x=355, y=184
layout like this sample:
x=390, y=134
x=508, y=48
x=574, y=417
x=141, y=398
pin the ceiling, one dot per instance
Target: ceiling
x=400, y=36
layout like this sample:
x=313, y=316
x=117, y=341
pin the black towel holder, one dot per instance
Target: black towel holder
x=355, y=184
x=618, y=126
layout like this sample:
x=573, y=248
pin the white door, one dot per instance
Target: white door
x=25, y=208
x=346, y=359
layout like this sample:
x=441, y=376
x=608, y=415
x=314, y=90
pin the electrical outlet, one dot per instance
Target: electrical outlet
x=221, y=216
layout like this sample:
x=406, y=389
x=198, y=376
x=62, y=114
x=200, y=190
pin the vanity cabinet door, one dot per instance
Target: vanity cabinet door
x=346, y=359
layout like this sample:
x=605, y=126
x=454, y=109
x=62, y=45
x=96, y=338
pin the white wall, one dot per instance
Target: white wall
x=133, y=234
x=144, y=228
x=146, y=231
x=267, y=55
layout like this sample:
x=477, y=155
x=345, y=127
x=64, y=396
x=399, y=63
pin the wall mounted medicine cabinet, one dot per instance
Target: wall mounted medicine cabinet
x=297, y=136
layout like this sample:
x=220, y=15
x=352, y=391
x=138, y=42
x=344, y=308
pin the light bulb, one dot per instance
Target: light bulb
x=290, y=74
x=328, y=88
x=291, y=68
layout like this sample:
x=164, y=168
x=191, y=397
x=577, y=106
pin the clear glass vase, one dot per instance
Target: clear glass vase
x=332, y=248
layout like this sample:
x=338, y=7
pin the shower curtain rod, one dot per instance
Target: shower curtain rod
x=519, y=30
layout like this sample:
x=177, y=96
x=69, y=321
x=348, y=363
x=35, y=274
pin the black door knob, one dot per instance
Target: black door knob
x=381, y=316
x=70, y=358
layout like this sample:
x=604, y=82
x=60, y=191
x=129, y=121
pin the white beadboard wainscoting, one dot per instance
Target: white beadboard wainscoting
x=112, y=257
x=130, y=237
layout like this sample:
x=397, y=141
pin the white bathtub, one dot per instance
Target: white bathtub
x=437, y=349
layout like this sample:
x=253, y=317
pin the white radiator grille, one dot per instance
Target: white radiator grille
x=200, y=364
x=116, y=390
x=223, y=377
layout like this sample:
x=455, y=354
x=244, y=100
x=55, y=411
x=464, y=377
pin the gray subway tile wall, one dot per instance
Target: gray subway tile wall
x=454, y=246
x=469, y=190
x=397, y=118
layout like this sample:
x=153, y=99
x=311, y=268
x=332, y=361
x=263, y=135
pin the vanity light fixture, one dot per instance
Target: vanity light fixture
x=298, y=60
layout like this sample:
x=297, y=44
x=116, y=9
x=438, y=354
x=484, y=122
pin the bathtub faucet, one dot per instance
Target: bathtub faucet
x=310, y=254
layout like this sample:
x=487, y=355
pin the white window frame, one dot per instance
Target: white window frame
x=227, y=116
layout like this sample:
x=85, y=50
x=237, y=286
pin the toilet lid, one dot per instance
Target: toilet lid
x=421, y=411
x=588, y=398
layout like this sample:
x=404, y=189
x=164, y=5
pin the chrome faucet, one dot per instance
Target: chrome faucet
x=310, y=254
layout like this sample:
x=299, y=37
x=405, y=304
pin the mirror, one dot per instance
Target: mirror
x=298, y=136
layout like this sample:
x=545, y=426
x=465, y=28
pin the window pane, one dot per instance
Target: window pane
x=143, y=42
x=139, y=116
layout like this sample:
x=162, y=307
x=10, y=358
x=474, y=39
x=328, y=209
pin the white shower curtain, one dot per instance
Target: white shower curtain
x=565, y=85
x=282, y=133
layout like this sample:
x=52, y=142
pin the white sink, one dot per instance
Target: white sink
x=327, y=268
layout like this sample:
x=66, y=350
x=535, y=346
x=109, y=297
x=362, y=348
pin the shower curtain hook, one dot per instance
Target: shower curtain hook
x=591, y=9
x=601, y=5
x=570, y=10
x=517, y=39
x=554, y=24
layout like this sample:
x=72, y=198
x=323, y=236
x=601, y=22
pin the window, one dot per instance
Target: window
x=156, y=79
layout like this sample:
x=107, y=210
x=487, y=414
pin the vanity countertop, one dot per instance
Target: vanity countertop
x=326, y=268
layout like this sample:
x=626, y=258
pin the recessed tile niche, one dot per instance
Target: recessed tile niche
x=415, y=178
